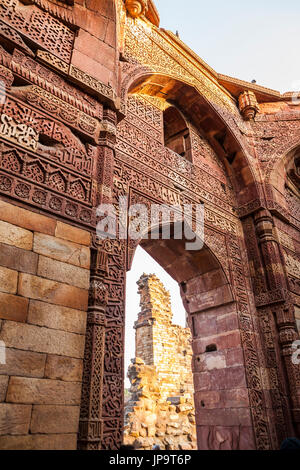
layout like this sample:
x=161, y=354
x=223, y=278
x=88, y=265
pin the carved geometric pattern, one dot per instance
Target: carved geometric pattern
x=39, y=26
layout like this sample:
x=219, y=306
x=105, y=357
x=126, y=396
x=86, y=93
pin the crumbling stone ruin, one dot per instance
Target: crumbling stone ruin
x=161, y=343
x=161, y=409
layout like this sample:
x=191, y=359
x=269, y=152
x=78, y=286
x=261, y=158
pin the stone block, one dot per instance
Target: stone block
x=53, y=419
x=13, y=307
x=64, y=368
x=15, y=236
x=14, y=419
x=237, y=398
x=210, y=361
x=26, y=219
x=3, y=386
x=54, y=292
x=225, y=437
x=8, y=280
x=234, y=357
x=235, y=377
x=42, y=340
x=56, y=317
x=63, y=272
x=18, y=259
x=23, y=363
x=62, y=250
x=43, y=392
x=73, y=234
x=224, y=417
x=39, y=442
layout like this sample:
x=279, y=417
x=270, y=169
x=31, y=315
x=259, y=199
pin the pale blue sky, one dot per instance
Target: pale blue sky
x=247, y=40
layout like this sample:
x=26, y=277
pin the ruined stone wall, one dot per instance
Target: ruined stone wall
x=152, y=420
x=161, y=343
x=161, y=408
x=44, y=281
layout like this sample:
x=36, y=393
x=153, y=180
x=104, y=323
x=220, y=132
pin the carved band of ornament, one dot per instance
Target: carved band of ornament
x=39, y=75
x=37, y=96
x=6, y=76
x=292, y=265
x=46, y=200
x=136, y=8
x=90, y=429
x=284, y=239
x=30, y=23
x=271, y=297
x=9, y=33
x=18, y=132
x=96, y=318
x=57, y=10
x=52, y=60
x=92, y=83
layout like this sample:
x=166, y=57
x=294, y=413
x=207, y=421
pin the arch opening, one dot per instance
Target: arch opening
x=220, y=387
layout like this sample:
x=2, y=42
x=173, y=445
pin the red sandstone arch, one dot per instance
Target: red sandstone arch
x=223, y=415
x=215, y=123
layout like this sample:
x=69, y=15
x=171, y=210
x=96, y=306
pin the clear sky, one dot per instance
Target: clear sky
x=247, y=40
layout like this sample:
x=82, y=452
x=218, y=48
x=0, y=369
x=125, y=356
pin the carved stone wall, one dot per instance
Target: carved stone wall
x=83, y=91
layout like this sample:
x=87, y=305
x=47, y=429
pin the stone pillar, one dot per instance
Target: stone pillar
x=90, y=425
x=280, y=304
x=103, y=373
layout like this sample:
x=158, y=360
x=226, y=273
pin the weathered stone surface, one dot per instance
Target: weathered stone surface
x=161, y=343
x=62, y=250
x=3, y=386
x=53, y=292
x=8, y=280
x=63, y=272
x=27, y=219
x=63, y=368
x=148, y=415
x=23, y=363
x=16, y=236
x=72, y=234
x=40, y=339
x=56, y=317
x=14, y=419
x=225, y=417
x=42, y=391
x=39, y=442
x=13, y=307
x=225, y=438
x=181, y=139
x=50, y=419
x=18, y=259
